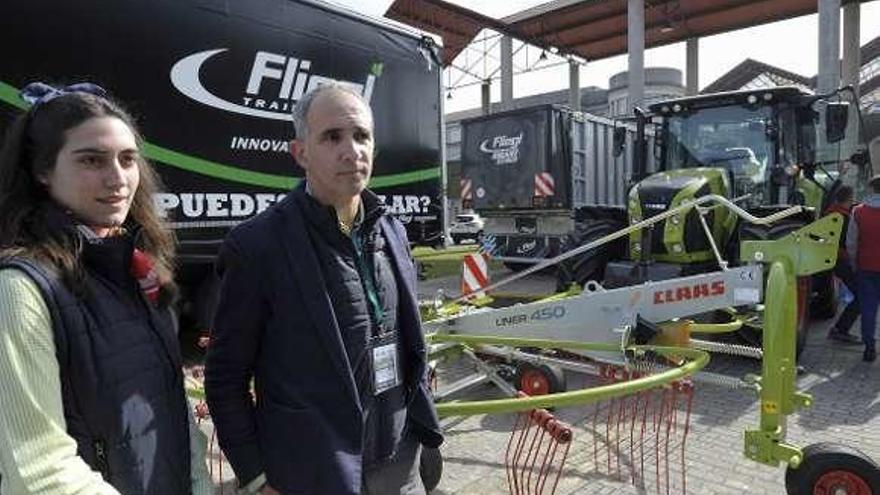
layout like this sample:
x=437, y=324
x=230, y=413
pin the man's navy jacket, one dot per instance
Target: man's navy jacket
x=275, y=323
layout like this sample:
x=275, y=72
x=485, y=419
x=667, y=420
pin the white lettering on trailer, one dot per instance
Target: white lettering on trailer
x=292, y=73
x=405, y=205
x=213, y=205
x=203, y=205
x=504, y=149
x=241, y=205
x=245, y=143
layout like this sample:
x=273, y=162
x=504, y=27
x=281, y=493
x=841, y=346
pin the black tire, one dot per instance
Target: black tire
x=823, y=305
x=754, y=335
x=827, y=467
x=589, y=265
x=516, y=267
x=430, y=467
x=539, y=379
x=456, y=240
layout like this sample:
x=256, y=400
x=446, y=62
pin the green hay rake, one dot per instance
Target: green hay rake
x=636, y=341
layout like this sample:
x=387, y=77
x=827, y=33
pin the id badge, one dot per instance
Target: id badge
x=386, y=371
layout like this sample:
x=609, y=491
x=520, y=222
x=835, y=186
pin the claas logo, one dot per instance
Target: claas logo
x=689, y=292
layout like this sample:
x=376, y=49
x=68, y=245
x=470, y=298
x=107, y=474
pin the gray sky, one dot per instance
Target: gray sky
x=790, y=45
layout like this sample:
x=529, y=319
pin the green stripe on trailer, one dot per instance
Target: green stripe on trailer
x=231, y=173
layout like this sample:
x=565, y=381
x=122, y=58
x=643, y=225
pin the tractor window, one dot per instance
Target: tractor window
x=832, y=157
x=735, y=138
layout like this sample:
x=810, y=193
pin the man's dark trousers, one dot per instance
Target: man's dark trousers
x=869, y=297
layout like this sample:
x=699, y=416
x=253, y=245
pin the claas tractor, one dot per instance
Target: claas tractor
x=765, y=149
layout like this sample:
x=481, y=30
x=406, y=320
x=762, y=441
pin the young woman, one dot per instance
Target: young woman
x=92, y=388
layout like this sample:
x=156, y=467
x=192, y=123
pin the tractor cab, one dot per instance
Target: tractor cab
x=778, y=146
x=765, y=149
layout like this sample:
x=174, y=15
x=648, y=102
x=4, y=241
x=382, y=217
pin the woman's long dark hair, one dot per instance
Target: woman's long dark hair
x=30, y=151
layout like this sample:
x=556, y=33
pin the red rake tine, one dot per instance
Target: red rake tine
x=632, y=433
x=595, y=434
x=519, y=427
x=532, y=458
x=561, y=434
x=561, y=463
x=648, y=405
x=517, y=467
x=669, y=416
x=517, y=452
x=539, y=417
x=657, y=427
x=547, y=464
x=688, y=388
x=608, y=434
x=621, y=419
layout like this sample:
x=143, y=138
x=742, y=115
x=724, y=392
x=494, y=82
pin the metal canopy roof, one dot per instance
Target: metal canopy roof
x=596, y=29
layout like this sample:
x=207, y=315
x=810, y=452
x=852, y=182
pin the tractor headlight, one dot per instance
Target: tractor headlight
x=675, y=219
x=676, y=248
x=792, y=170
x=637, y=247
x=752, y=99
x=676, y=108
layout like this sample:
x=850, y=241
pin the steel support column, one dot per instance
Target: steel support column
x=506, y=72
x=574, y=85
x=693, y=66
x=851, y=56
x=635, y=40
x=486, y=96
x=829, y=45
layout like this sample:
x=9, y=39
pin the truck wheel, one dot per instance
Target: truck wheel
x=769, y=232
x=516, y=267
x=456, y=240
x=589, y=265
x=430, y=467
x=833, y=468
x=539, y=379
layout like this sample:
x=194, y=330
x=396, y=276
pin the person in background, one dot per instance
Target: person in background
x=318, y=312
x=842, y=202
x=862, y=241
x=92, y=391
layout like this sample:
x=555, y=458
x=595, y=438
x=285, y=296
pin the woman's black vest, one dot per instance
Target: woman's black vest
x=121, y=375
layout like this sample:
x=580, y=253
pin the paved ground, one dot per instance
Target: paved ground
x=847, y=410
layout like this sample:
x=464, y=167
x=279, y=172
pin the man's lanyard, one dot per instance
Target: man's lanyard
x=368, y=280
x=383, y=351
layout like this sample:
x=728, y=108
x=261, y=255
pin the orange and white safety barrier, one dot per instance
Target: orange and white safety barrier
x=475, y=274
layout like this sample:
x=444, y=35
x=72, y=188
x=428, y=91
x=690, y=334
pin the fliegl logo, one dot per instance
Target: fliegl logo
x=275, y=84
x=502, y=149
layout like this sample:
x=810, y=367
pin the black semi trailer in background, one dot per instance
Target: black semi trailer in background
x=212, y=84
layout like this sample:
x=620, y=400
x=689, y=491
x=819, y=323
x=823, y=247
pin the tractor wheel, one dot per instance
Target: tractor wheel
x=589, y=265
x=833, y=468
x=430, y=467
x=778, y=230
x=539, y=379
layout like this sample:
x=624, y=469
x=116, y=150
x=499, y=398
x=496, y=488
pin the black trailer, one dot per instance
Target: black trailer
x=535, y=174
x=212, y=84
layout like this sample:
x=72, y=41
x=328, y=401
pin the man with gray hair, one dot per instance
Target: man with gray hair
x=318, y=310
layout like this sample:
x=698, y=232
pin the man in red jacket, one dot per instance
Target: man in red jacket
x=842, y=203
x=862, y=241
